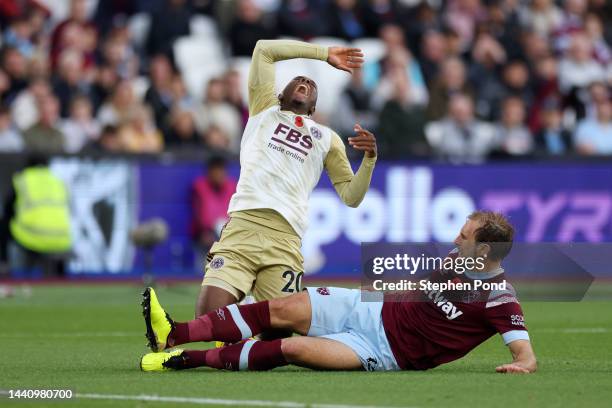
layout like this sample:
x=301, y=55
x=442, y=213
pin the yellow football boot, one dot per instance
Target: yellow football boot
x=159, y=324
x=163, y=361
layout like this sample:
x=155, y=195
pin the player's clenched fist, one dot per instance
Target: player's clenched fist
x=364, y=141
x=345, y=58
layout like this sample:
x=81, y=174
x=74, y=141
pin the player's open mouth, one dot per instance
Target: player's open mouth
x=303, y=89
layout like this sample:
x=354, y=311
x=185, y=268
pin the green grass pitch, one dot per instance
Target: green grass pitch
x=89, y=339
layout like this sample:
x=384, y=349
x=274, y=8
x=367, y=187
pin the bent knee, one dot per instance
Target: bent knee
x=292, y=349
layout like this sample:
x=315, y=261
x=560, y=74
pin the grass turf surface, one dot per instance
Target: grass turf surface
x=90, y=338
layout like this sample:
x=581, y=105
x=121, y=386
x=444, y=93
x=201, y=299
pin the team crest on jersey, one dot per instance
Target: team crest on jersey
x=315, y=132
x=217, y=262
x=323, y=291
x=299, y=122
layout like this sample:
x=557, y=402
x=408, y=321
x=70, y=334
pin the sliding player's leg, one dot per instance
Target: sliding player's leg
x=312, y=352
x=229, y=324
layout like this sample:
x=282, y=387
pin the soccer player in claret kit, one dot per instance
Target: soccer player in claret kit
x=340, y=332
x=282, y=154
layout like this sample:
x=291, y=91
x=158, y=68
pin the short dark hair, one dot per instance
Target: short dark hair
x=216, y=162
x=496, y=229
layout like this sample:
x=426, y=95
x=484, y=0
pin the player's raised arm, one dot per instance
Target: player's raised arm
x=523, y=359
x=351, y=187
x=267, y=52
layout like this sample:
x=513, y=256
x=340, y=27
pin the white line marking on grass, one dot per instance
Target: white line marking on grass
x=69, y=334
x=574, y=330
x=217, y=401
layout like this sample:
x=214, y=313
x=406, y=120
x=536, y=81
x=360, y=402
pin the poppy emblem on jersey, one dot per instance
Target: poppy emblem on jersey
x=323, y=291
x=315, y=132
x=299, y=122
x=217, y=263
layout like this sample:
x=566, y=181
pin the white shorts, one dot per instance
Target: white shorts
x=339, y=314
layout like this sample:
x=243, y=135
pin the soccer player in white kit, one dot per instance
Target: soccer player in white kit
x=282, y=155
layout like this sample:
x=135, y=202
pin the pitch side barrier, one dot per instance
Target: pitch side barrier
x=547, y=201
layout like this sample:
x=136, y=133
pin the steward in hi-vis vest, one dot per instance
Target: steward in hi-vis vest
x=41, y=222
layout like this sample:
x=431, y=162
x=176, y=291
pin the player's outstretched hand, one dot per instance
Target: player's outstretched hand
x=512, y=369
x=364, y=141
x=345, y=58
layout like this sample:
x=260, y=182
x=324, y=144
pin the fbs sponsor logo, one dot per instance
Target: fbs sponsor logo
x=447, y=307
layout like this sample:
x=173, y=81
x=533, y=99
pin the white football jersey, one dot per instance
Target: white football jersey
x=281, y=160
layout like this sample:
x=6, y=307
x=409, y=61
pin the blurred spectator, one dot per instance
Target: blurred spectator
x=159, y=94
x=75, y=32
x=248, y=27
x=302, y=19
x=433, y=53
x=354, y=106
x=69, y=81
x=16, y=67
x=115, y=110
x=104, y=81
x=541, y=16
x=459, y=137
x=418, y=20
x=210, y=198
x=594, y=135
x=578, y=68
x=502, y=22
x=5, y=85
x=107, y=142
x=217, y=112
x=571, y=23
x=10, y=140
x=170, y=23
x=552, y=139
x=462, y=16
x=108, y=12
x=218, y=141
x=24, y=109
x=546, y=88
x=451, y=80
x=598, y=93
x=19, y=36
x=514, y=137
x=138, y=133
x=516, y=80
x=80, y=128
x=45, y=136
x=344, y=20
x=233, y=87
x=396, y=54
x=119, y=54
x=488, y=56
x=378, y=13
x=396, y=72
x=181, y=99
x=401, y=121
x=594, y=29
x=182, y=133
x=36, y=219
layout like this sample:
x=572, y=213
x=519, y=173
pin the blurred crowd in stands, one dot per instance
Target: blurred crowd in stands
x=461, y=80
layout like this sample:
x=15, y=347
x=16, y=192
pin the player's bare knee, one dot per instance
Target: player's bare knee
x=290, y=312
x=292, y=349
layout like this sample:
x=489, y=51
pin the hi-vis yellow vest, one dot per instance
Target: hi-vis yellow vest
x=42, y=221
